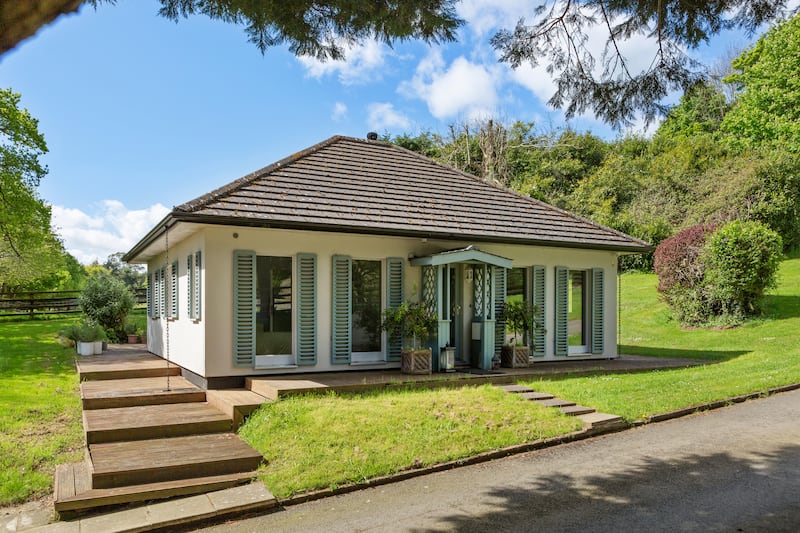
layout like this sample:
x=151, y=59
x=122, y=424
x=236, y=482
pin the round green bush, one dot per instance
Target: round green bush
x=107, y=301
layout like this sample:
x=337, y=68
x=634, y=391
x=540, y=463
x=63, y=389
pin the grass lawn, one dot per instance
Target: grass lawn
x=40, y=413
x=313, y=442
x=759, y=355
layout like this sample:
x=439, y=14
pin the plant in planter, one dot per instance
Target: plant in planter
x=520, y=318
x=415, y=322
x=132, y=332
x=90, y=336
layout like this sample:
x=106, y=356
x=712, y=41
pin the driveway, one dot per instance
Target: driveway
x=731, y=469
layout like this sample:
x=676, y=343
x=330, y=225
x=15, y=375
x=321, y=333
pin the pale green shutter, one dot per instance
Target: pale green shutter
x=306, y=309
x=189, y=286
x=598, y=311
x=197, y=282
x=562, y=311
x=341, y=309
x=394, y=297
x=173, y=290
x=162, y=292
x=244, y=307
x=157, y=294
x=150, y=295
x=499, y=301
x=537, y=299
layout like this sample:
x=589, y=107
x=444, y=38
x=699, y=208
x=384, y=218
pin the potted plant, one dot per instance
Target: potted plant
x=90, y=337
x=520, y=317
x=414, y=322
x=132, y=331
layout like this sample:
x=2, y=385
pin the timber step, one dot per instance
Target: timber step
x=102, y=367
x=575, y=410
x=596, y=420
x=73, y=492
x=555, y=402
x=536, y=396
x=111, y=393
x=272, y=389
x=153, y=421
x=117, y=464
x=237, y=404
x=514, y=388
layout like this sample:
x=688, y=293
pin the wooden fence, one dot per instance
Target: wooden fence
x=34, y=303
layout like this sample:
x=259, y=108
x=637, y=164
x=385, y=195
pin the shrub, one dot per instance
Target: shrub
x=676, y=259
x=107, y=301
x=741, y=261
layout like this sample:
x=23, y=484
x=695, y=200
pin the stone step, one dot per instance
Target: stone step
x=153, y=421
x=575, y=410
x=536, y=396
x=111, y=393
x=237, y=404
x=73, y=492
x=555, y=402
x=514, y=388
x=118, y=464
x=602, y=420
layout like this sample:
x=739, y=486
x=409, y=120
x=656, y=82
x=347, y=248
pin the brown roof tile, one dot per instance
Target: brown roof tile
x=354, y=185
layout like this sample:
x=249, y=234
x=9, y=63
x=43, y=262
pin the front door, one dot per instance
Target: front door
x=577, y=326
x=452, y=313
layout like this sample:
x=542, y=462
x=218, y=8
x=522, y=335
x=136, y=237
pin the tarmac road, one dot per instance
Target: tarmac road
x=733, y=469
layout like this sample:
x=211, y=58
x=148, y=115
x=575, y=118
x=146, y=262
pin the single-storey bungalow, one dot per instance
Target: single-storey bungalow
x=289, y=269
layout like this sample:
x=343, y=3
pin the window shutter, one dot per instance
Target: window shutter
x=190, y=286
x=306, y=309
x=150, y=295
x=598, y=311
x=173, y=290
x=157, y=294
x=162, y=292
x=342, y=309
x=499, y=301
x=197, y=286
x=244, y=307
x=537, y=299
x=394, y=297
x=562, y=311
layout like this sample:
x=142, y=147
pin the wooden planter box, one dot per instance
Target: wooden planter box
x=415, y=361
x=514, y=356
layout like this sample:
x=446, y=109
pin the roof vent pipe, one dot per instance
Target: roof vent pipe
x=372, y=136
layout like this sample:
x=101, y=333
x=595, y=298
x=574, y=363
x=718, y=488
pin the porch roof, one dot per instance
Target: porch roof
x=470, y=254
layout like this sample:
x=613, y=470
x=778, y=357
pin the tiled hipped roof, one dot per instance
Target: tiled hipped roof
x=353, y=185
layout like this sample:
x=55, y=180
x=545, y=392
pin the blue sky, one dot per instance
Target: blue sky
x=141, y=114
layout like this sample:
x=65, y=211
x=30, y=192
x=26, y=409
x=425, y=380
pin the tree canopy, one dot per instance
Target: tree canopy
x=319, y=28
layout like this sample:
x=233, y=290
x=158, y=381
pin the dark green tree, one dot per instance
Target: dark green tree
x=318, y=28
x=601, y=79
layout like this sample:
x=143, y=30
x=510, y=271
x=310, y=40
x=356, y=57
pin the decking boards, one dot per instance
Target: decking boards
x=135, y=462
x=237, y=404
x=106, y=394
x=128, y=364
x=153, y=421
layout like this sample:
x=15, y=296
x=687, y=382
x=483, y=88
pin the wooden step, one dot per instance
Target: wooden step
x=555, y=402
x=575, y=410
x=112, y=393
x=73, y=493
x=153, y=421
x=117, y=464
x=604, y=420
x=516, y=389
x=536, y=396
x=272, y=389
x=237, y=404
x=124, y=364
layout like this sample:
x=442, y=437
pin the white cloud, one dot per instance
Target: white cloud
x=382, y=116
x=463, y=88
x=109, y=229
x=361, y=64
x=339, y=111
x=487, y=16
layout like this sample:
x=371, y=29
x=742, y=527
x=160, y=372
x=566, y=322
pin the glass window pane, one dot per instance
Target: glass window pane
x=575, y=328
x=366, y=306
x=273, y=305
x=515, y=285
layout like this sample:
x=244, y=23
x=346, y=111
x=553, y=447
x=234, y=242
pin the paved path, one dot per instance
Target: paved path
x=731, y=469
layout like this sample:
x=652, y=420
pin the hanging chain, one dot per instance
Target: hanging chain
x=171, y=303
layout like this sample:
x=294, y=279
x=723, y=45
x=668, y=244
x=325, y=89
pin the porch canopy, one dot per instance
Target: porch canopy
x=470, y=254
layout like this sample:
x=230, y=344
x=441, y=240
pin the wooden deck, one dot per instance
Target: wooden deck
x=133, y=361
x=109, y=393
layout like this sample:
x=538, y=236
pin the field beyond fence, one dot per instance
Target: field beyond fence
x=37, y=303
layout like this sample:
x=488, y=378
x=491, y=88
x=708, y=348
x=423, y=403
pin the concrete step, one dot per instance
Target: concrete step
x=237, y=404
x=153, y=421
x=536, y=396
x=111, y=393
x=73, y=492
x=575, y=410
x=514, y=388
x=118, y=464
x=555, y=402
x=602, y=420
